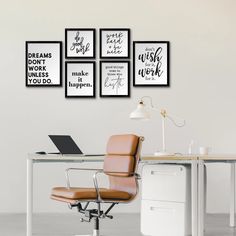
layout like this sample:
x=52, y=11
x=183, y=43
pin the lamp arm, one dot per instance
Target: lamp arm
x=175, y=123
x=163, y=112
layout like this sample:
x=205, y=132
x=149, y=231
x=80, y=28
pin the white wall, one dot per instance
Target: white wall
x=202, y=35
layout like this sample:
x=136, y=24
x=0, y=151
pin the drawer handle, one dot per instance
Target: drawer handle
x=163, y=173
x=163, y=209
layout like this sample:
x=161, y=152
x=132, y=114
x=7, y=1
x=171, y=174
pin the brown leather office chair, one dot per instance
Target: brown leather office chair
x=120, y=165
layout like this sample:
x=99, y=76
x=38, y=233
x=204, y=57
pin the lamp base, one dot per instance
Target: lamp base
x=163, y=154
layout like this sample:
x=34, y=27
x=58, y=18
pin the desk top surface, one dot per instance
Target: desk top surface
x=69, y=157
x=177, y=157
x=145, y=157
x=209, y=157
x=217, y=157
x=90, y=158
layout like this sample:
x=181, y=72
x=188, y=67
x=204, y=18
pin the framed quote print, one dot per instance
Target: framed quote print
x=114, y=78
x=80, y=43
x=151, y=63
x=43, y=63
x=115, y=43
x=80, y=79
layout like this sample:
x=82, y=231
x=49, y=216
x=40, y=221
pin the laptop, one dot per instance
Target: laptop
x=66, y=145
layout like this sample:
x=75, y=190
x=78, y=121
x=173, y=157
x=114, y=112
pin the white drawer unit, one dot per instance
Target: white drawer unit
x=162, y=218
x=165, y=182
x=166, y=200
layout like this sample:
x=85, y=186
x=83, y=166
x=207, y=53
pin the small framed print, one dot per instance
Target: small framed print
x=115, y=43
x=114, y=78
x=80, y=79
x=80, y=43
x=43, y=63
x=151, y=63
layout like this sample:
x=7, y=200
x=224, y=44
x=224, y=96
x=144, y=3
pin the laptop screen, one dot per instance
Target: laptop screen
x=65, y=144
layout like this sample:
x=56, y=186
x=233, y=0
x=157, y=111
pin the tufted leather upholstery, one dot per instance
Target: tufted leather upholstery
x=120, y=163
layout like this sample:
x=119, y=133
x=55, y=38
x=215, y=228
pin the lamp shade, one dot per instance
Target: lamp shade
x=140, y=113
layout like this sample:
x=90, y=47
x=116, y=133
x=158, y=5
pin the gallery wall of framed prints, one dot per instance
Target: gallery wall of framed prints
x=150, y=59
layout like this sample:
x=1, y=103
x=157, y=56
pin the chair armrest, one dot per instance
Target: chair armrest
x=132, y=174
x=77, y=169
x=95, y=181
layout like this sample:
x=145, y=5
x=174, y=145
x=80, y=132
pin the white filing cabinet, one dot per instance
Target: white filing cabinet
x=166, y=200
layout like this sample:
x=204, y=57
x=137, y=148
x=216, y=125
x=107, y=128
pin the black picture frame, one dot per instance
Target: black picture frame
x=93, y=63
x=127, y=90
x=43, y=59
x=166, y=56
x=103, y=30
x=75, y=45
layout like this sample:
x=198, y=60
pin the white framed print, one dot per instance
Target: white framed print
x=114, y=78
x=151, y=63
x=115, y=43
x=43, y=63
x=80, y=43
x=80, y=79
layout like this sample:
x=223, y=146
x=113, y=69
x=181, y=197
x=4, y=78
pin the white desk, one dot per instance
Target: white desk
x=197, y=180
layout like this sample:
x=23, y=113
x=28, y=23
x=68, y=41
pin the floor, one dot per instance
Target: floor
x=121, y=225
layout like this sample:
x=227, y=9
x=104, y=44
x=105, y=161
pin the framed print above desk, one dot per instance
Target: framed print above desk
x=151, y=63
x=43, y=63
x=114, y=78
x=114, y=43
x=80, y=79
x=80, y=43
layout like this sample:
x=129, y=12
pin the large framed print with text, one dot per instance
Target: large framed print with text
x=43, y=63
x=80, y=79
x=151, y=63
x=80, y=43
x=114, y=78
x=114, y=43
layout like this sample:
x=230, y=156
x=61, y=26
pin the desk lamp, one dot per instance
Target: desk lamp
x=141, y=113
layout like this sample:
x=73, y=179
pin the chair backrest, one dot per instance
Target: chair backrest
x=121, y=162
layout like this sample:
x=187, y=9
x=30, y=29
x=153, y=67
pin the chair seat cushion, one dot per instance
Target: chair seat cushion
x=89, y=193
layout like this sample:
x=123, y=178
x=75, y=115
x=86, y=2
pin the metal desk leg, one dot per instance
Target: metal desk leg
x=201, y=198
x=194, y=196
x=29, y=212
x=232, y=195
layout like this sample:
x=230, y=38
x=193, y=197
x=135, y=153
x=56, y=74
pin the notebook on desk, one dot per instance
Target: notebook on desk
x=67, y=146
